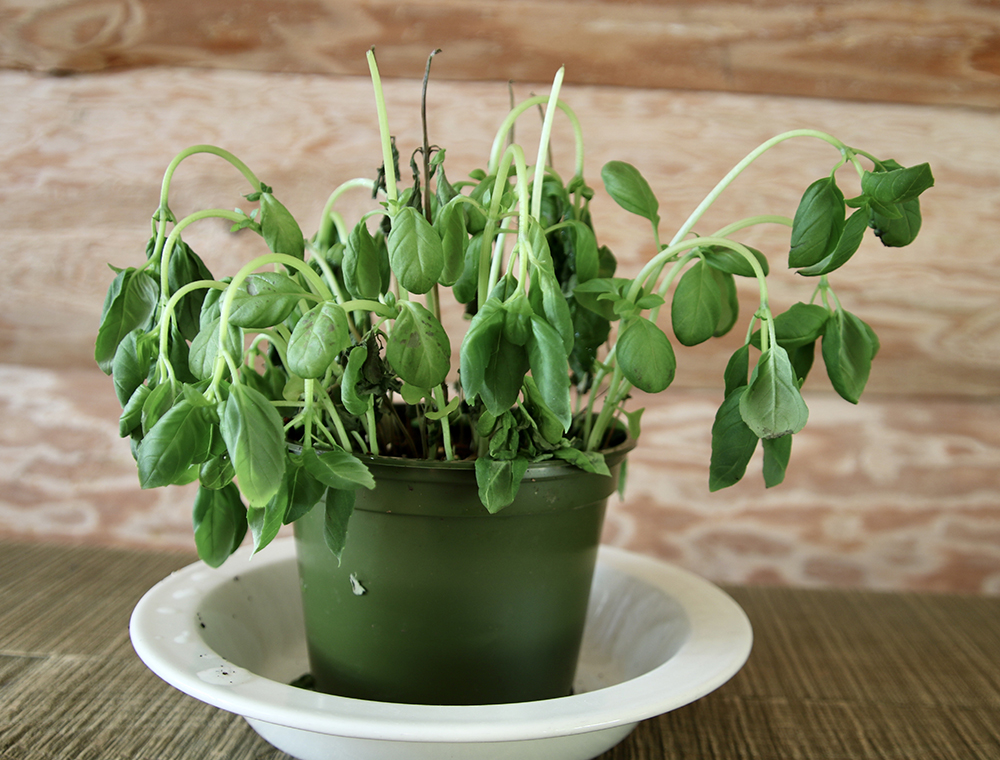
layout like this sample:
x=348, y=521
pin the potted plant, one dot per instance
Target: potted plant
x=447, y=518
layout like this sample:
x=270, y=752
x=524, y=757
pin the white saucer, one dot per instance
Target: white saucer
x=657, y=638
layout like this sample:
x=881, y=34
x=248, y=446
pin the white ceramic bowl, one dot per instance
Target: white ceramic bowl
x=657, y=638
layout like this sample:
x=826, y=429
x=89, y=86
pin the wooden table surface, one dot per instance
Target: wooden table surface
x=833, y=674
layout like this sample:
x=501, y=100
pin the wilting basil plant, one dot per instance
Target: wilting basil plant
x=271, y=386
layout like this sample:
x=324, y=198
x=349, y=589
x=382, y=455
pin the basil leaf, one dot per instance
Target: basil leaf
x=216, y=472
x=255, y=439
x=897, y=185
x=364, y=264
x=280, y=230
x=517, y=319
x=588, y=461
x=802, y=358
x=645, y=355
x=129, y=304
x=450, y=225
x=354, y=402
x=585, y=257
x=184, y=267
x=847, y=246
x=265, y=522
x=777, y=452
x=131, y=416
x=129, y=369
x=337, y=469
x=588, y=293
x=899, y=231
x=415, y=251
x=304, y=490
x=549, y=425
x=264, y=299
x=499, y=481
x=339, y=507
x=818, y=223
x=158, y=401
x=800, y=325
x=697, y=305
x=548, y=368
x=466, y=286
x=772, y=405
x=492, y=367
x=728, y=300
x=205, y=348
x=630, y=190
x=219, y=519
x=737, y=369
x=418, y=348
x=318, y=338
x=179, y=438
x=730, y=261
x=546, y=298
x=733, y=443
x=847, y=353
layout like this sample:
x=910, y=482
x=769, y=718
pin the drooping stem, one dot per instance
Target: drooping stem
x=508, y=124
x=543, y=144
x=749, y=159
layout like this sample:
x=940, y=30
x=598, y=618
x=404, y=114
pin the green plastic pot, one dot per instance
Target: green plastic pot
x=436, y=601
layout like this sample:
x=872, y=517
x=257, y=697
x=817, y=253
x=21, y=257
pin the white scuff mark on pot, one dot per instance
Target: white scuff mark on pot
x=356, y=587
x=183, y=637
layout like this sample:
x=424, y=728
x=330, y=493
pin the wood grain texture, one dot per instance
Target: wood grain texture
x=81, y=161
x=920, y=51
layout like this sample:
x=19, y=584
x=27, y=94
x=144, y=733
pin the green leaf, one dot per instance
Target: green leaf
x=737, y=369
x=585, y=255
x=517, y=319
x=318, y=338
x=365, y=265
x=847, y=246
x=415, y=251
x=418, y=348
x=216, y=472
x=818, y=224
x=205, y=348
x=255, y=439
x=337, y=469
x=158, y=401
x=279, y=228
x=304, y=490
x=129, y=369
x=727, y=260
x=179, y=438
x=729, y=301
x=630, y=190
x=130, y=304
x=900, y=231
x=777, y=452
x=645, y=355
x=588, y=295
x=772, y=405
x=219, y=523
x=733, y=443
x=696, y=309
x=802, y=359
x=184, y=267
x=266, y=521
x=339, y=507
x=264, y=299
x=800, y=325
x=589, y=461
x=499, y=481
x=897, y=185
x=847, y=353
x=450, y=226
x=131, y=416
x=355, y=402
x=549, y=424
x=466, y=287
x=548, y=368
x=491, y=367
x=546, y=298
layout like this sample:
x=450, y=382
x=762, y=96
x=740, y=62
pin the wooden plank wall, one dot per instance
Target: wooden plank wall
x=918, y=51
x=902, y=491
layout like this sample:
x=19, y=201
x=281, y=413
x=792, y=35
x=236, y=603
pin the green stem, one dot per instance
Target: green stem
x=513, y=154
x=212, y=149
x=508, y=124
x=175, y=233
x=749, y=159
x=752, y=221
x=543, y=143
x=383, y=128
x=327, y=221
x=439, y=401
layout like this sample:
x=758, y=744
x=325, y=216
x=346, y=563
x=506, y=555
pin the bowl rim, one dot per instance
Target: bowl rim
x=165, y=636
